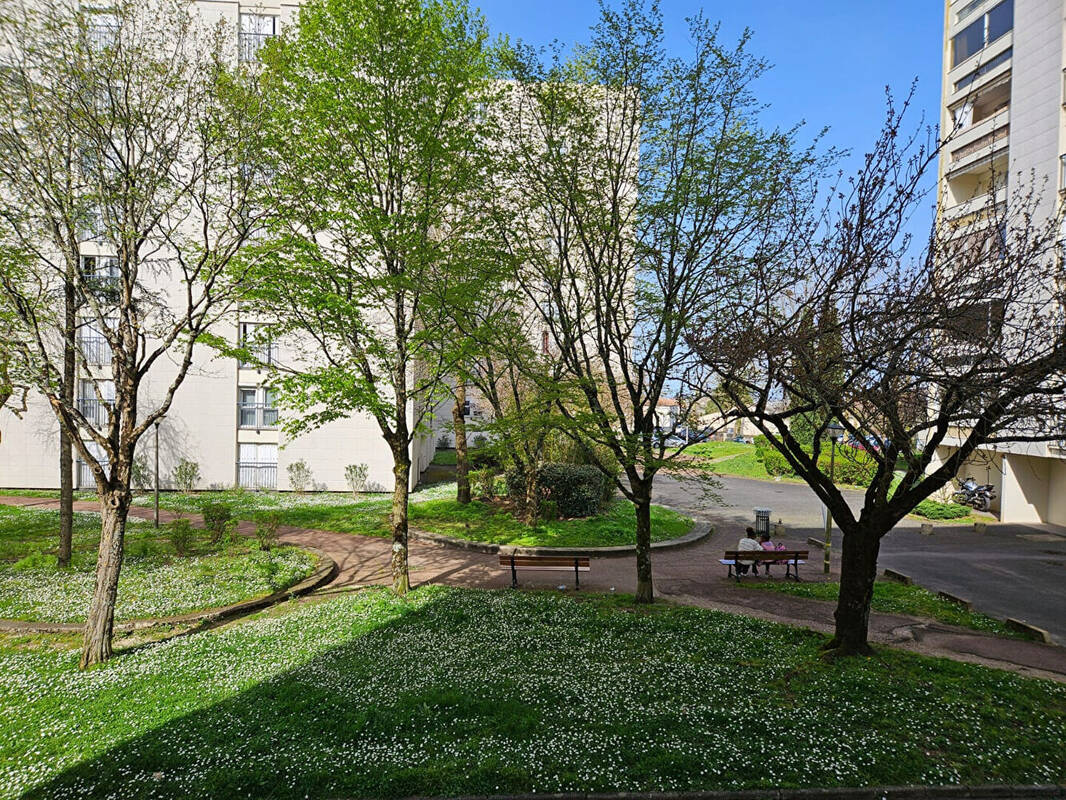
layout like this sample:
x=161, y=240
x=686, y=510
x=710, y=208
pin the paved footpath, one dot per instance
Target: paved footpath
x=689, y=575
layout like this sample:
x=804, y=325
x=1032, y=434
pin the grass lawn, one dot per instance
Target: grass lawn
x=434, y=509
x=155, y=581
x=455, y=691
x=898, y=598
x=485, y=523
x=705, y=450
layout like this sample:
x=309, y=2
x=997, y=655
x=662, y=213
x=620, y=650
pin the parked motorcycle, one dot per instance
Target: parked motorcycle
x=972, y=493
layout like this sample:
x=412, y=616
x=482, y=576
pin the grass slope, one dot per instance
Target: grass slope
x=472, y=692
x=154, y=582
x=897, y=598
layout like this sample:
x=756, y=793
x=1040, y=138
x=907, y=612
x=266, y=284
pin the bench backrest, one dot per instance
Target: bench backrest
x=545, y=561
x=767, y=555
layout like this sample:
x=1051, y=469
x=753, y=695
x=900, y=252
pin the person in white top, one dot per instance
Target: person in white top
x=749, y=542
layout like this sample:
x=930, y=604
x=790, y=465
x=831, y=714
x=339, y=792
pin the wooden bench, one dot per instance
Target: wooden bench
x=791, y=558
x=514, y=562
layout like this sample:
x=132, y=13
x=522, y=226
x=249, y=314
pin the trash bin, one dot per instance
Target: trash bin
x=762, y=521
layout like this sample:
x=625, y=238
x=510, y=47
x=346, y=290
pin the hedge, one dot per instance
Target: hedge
x=577, y=490
x=931, y=509
x=854, y=467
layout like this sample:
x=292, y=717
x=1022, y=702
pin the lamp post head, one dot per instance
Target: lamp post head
x=835, y=430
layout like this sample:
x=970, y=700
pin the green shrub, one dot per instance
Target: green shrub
x=217, y=518
x=516, y=484
x=483, y=482
x=775, y=463
x=577, y=489
x=186, y=475
x=549, y=510
x=854, y=467
x=355, y=475
x=931, y=509
x=300, y=476
x=266, y=529
x=762, y=445
x=181, y=536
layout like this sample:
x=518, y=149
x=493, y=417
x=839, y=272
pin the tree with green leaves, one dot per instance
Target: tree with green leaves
x=121, y=183
x=635, y=183
x=373, y=146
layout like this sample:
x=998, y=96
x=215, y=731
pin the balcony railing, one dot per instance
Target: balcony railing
x=95, y=350
x=257, y=415
x=103, y=286
x=249, y=45
x=987, y=141
x=85, y=477
x=95, y=411
x=257, y=475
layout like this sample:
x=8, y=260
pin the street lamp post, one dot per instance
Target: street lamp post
x=835, y=431
x=157, y=473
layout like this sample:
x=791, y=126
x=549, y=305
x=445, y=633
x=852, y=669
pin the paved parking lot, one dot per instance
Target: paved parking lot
x=1013, y=571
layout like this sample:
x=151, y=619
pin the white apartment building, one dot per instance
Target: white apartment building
x=224, y=415
x=1004, y=89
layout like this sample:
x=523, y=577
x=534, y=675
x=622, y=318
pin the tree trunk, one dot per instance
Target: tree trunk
x=462, y=465
x=532, y=494
x=66, y=449
x=401, y=470
x=858, y=568
x=96, y=647
x=642, y=506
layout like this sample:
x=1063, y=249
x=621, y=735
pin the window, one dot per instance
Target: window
x=261, y=350
x=93, y=344
x=101, y=27
x=95, y=399
x=256, y=30
x=85, y=477
x=982, y=32
x=1000, y=21
x=101, y=277
x=257, y=466
x=544, y=343
x=256, y=407
x=979, y=322
x=1062, y=172
x=970, y=40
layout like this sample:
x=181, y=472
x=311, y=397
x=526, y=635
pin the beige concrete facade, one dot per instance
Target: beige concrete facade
x=222, y=415
x=1004, y=96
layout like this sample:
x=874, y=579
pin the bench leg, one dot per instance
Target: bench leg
x=577, y=577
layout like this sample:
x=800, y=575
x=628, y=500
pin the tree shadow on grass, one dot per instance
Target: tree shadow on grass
x=324, y=728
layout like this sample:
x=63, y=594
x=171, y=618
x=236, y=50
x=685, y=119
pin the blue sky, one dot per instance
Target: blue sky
x=832, y=59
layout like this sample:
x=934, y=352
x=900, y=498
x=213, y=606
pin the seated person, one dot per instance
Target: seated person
x=749, y=542
x=767, y=544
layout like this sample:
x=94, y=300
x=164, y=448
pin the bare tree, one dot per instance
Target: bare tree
x=122, y=150
x=923, y=351
x=634, y=185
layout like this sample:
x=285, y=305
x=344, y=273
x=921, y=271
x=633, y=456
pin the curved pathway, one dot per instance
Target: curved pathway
x=691, y=575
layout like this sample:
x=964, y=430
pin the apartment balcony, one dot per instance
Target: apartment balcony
x=95, y=350
x=965, y=212
x=257, y=475
x=257, y=415
x=979, y=145
x=96, y=412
